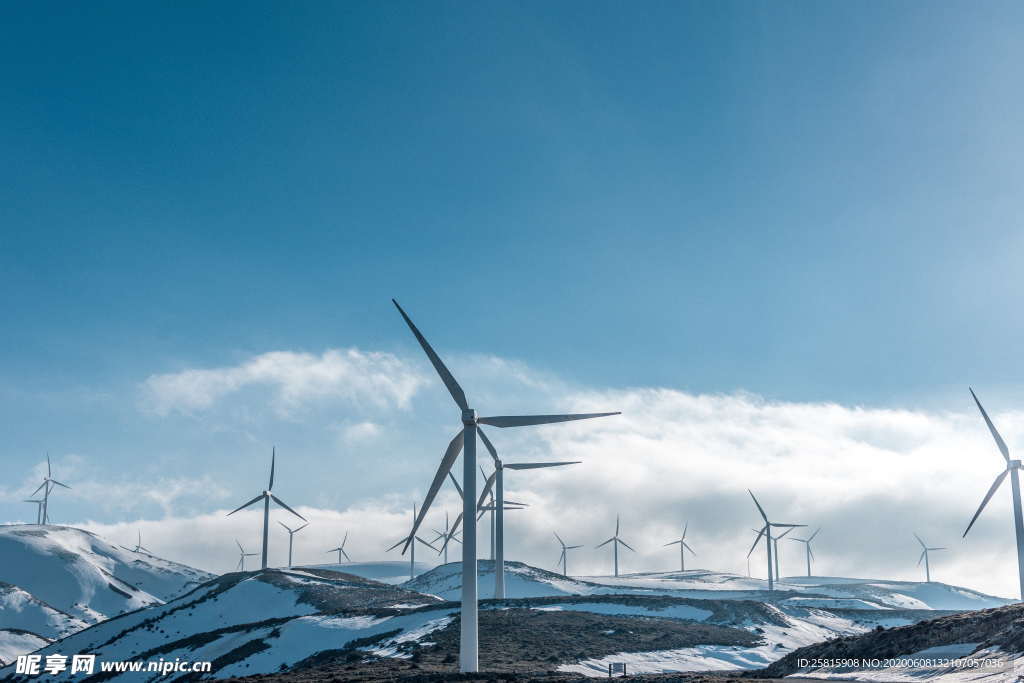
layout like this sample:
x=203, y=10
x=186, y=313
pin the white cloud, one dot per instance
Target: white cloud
x=375, y=378
x=360, y=432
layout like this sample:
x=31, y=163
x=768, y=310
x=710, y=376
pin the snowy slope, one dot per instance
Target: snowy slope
x=78, y=573
x=253, y=622
x=522, y=581
x=14, y=642
x=21, y=611
x=385, y=572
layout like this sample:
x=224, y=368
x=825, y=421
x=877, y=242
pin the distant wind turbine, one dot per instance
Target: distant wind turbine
x=410, y=541
x=291, y=535
x=139, y=547
x=1013, y=469
x=615, y=540
x=682, y=546
x=807, y=546
x=341, y=549
x=466, y=438
x=778, y=555
x=242, y=555
x=47, y=486
x=563, y=558
x=766, y=531
x=924, y=558
x=266, y=497
x=444, y=534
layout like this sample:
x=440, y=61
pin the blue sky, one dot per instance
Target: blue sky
x=811, y=202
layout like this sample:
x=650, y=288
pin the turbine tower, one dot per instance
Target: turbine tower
x=241, y=556
x=266, y=497
x=807, y=547
x=562, y=559
x=466, y=438
x=682, y=546
x=47, y=486
x=291, y=534
x=924, y=558
x=615, y=540
x=410, y=540
x=341, y=549
x=766, y=531
x=499, y=525
x=1012, y=468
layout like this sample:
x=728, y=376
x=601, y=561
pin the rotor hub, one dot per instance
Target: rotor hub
x=468, y=417
x=1013, y=465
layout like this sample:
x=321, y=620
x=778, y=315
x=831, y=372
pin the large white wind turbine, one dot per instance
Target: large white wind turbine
x=411, y=540
x=924, y=558
x=266, y=497
x=563, y=558
x=615, y=540
x=807, y=547
x=242, y=555
x=466, y=438
x=766, y=531
x=47, y=486
x=1012, y=468
x=291, y=535
x=498, y=528
x=682, y=546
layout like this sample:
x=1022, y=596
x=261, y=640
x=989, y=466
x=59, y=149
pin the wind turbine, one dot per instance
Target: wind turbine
x=444, y=535
x=409, y=540
x=266, y=497
x=139, y=547
x=291, y=534
x=242, y=555
x=466, y=438
x=766, y=531
x=499, y=525
x=616, y=541
x=47, y=486
x=565, y=552
x=682, y=546
x=341, y=549
x=778, y=555
x=39, y=508
x=924, y=558
x=1012, y=468
x=807, y=545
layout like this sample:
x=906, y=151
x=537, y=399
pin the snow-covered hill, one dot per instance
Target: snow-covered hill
x=14, y=642
x=258, y=622
x=85, y=577
x=21, y=611
x=384, y=571
x=522, y=581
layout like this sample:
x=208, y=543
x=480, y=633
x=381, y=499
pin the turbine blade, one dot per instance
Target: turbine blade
x=344, y=540
x=988, y=497
x=559, y=539
x=457, y=487
x=811, y=551
x=527, y=420
x=685, y=527
x=486, y=489
x=572, y=547
x=783, y=534
x=426, y=543
x=919, y=540
x=490, y=447
x=992, y=428
x=813, y=535
x=37, y=490
x=282, y=504
x=759, y=508
x=626, y=544
x=285, y=526
x=389, y=549
x=616, y=526
x=689, y=548
x=921, y=559
x=301, y=528
x=443, y=470
x=239, y=545
x=54, y=481
x=757, y=540
x=535, y=465
x=672, y=543
x=273, y=456
x=605, y=543
x=449, y=381
x=242, y=507
x=938, y=548
x=345, y=554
